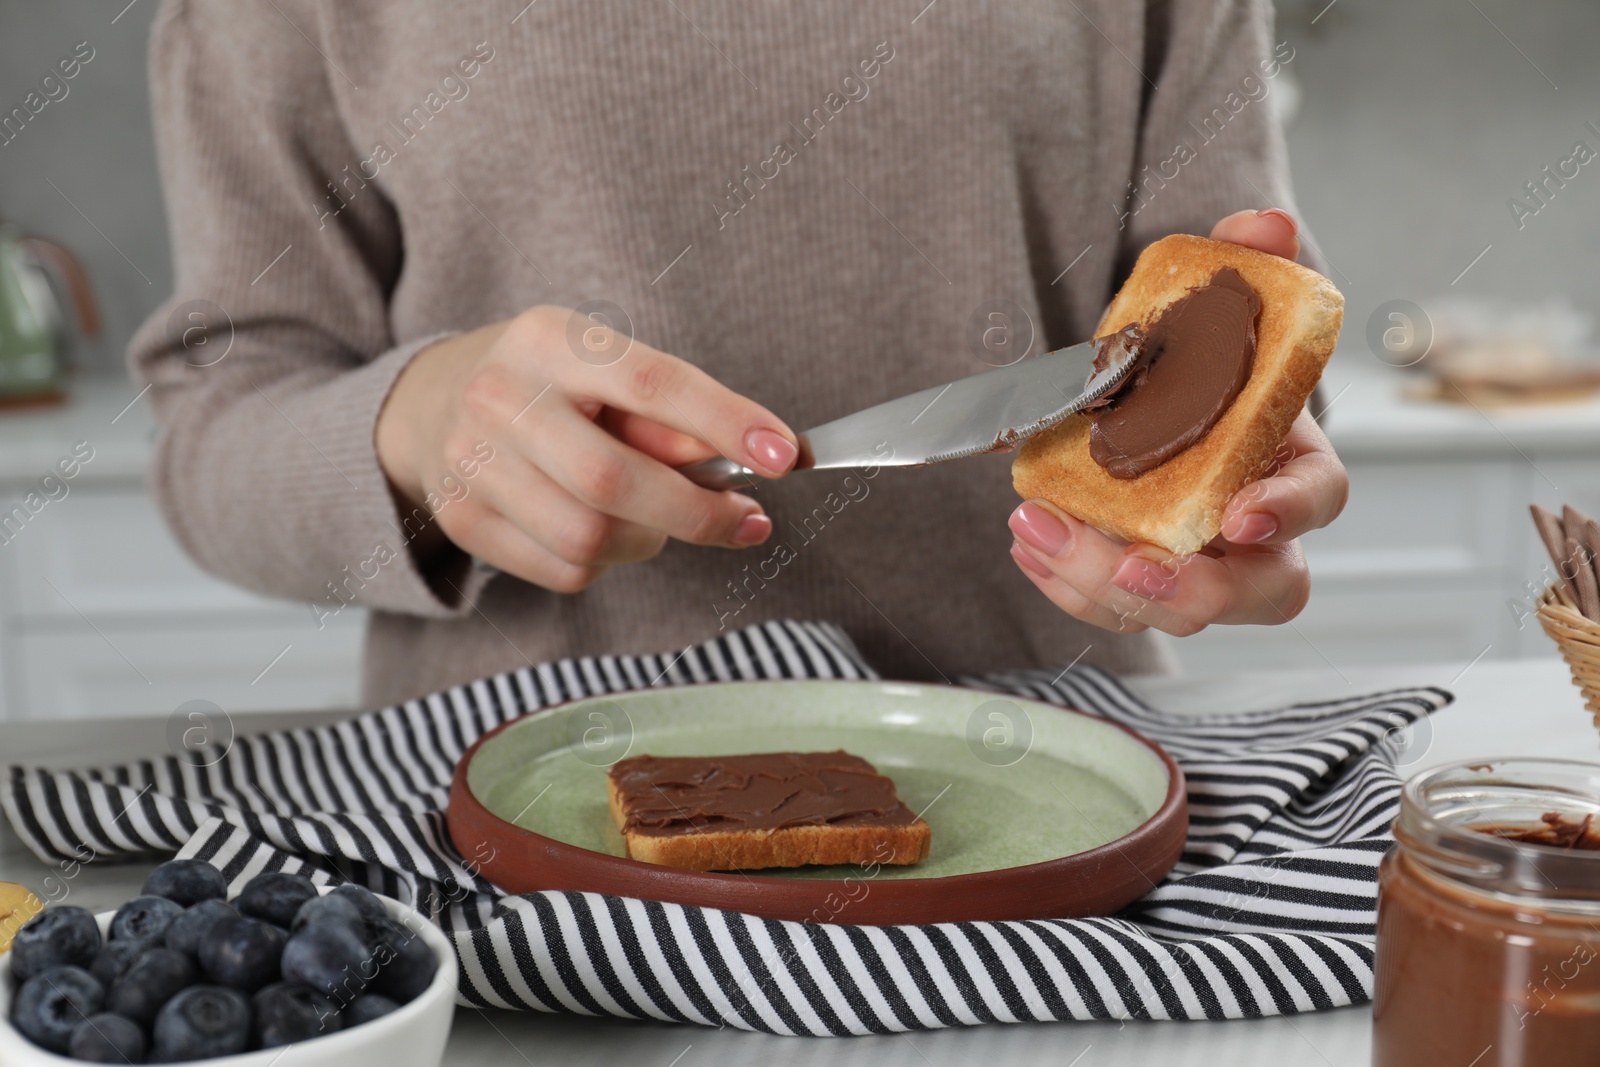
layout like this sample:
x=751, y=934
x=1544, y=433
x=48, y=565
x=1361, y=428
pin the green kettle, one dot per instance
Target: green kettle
x=34, y=336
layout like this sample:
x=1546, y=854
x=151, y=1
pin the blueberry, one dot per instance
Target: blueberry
x=367, y=1007
x=331, y=959
x=186, y=882
x=51, y=1004
x=241, y=954
x=56, y=937
x=366, y=901
x=286, y=1012
x=107, y=1038
x=330, y=909
x=144, y=917
x=153, y=979
x=407, y=964
x=188, y=929
x=114, y=958
x=201, y=1021
x=274, y=897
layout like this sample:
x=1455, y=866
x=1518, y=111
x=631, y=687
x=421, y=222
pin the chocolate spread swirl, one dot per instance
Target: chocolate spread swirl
x=1555, y=831
x=1195, y=359
x=668, y=795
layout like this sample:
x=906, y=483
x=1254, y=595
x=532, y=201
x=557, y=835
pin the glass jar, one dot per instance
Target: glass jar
x=1489, y=946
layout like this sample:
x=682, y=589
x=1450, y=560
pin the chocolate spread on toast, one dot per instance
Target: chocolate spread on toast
x=1194, y=360
x=665, y=795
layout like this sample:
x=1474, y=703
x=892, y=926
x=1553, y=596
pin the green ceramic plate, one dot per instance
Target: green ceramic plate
x=1004, y=783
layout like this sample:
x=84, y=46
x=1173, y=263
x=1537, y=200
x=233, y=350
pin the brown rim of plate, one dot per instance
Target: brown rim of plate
x=1099, y=881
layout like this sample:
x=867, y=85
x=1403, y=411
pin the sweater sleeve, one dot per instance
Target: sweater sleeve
x=269, y=364
x=1209, y=144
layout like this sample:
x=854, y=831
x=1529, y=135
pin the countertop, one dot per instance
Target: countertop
x=1368, y=418
x=108, y=411
x=1503, y=708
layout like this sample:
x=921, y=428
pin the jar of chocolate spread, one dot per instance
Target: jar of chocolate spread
x=1489, y=919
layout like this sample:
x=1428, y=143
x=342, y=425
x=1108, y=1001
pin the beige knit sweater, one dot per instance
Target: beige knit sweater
x=817, y=202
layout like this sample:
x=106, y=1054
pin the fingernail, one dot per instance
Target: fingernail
x=1039, y=529
x=753, y=529
x=1028, y=563
x=1254, y=528
x=1145, y=579
x=1276, y=212
x=771, y=450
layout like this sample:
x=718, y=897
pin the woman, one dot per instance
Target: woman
x=384, y=218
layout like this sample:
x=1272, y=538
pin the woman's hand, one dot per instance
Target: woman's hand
x=1254, y=573
x=584, y=441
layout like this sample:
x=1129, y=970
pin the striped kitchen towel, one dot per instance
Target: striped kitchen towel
x=1270, y=910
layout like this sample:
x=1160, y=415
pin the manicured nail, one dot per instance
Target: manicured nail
x=1039, y=529
x=771, y=450
x=753, y=529
x=1028, y=563
x=1254, y=528
x=1145, y=579
x=1276, y=212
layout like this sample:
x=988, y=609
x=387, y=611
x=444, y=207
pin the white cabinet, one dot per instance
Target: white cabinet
x=74, y=670
x=1417, y=522
x=106, y=552
x=1426, y=563
x=1435, y=557
x=107, y=616
x=102, y=613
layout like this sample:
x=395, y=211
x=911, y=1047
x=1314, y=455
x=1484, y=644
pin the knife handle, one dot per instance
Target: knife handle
x=720, y=473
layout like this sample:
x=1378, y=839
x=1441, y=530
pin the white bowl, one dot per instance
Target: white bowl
x=413, y=1036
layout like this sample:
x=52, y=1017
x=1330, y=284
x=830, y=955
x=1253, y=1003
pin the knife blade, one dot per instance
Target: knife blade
x=988, y=412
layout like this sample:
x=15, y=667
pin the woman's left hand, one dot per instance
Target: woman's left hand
x=1253, y=573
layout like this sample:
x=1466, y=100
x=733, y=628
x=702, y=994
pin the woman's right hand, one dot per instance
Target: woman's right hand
x=581, y=476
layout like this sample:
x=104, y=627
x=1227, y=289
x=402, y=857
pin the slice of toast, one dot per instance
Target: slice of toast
x=686, y=812
x=17, y=906
x=1178, y=505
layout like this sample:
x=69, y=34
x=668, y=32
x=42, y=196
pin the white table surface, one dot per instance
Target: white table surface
x=1503, y=708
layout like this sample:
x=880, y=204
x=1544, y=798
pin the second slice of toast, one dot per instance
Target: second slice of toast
x=1178, y=505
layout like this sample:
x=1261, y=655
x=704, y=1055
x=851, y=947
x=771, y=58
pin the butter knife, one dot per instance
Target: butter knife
x=989, y=412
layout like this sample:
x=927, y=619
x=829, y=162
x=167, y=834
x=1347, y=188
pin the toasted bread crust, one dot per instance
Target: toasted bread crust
x=793, y=846
x=1179, y=504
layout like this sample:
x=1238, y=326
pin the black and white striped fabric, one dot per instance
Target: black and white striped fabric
x=1270, y=911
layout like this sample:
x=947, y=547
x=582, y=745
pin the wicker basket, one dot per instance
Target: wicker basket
x=1578, y=638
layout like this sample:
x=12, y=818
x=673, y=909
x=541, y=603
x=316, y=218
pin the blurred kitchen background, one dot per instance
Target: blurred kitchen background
x=1462, y=389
